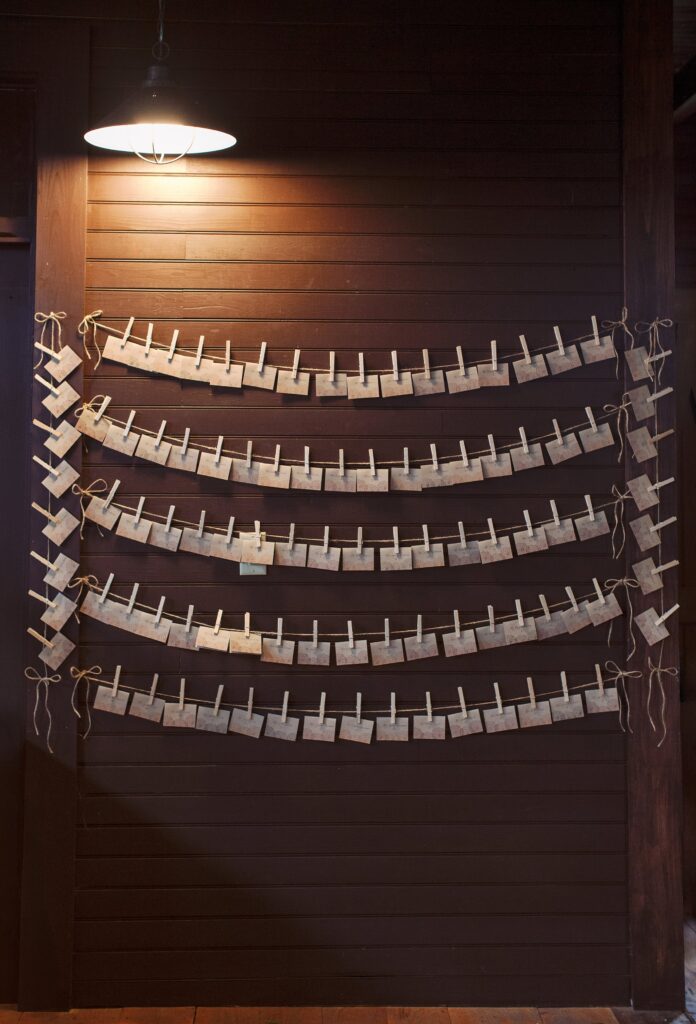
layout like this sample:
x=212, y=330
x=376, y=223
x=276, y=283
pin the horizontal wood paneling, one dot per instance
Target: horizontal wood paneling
x=397, y=184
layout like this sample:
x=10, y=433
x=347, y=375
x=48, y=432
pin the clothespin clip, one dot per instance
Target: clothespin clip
x=426, y=364
x=571, y=598
x=247, y=625
x=462, y=702
x=361, y=367
x=201, y=524
x=465, y=457
x=373, y=468
x=315, y=633
x=341, y=463
x=170, y=516
x=276, y=460
x=590, y=507
x=663, y=568
x=351, y=638
x=37, y=636
x=218, y=699
x=117, y=679
x=307, y=466
x=189, y=619
x=129, y=424
x=428, y=706
x=491, y=444
x=131, y=602
x=598, y=591
x=520, y=614
x=228, y=355
x=44, y=512
x=530, y=690
x=262, y=357
x=230, y=532
x=218, y=449
x=250, y=702
x=559, y=435
x=559, y=340
x=598, y=675
x=545, y=607
x=491, y=530
x=291, y=537
x=139, y=511
x=106, y=588
x=182, y=694
x=332, y=367
x=554, y=512
x=462, y=534
x=185, y=442
x=564, y=686
x=426, y=538
x=419, y=629
x=284, y=712
x=525, y=349
x=126, y=333
x=40, y=597
x=528, y=523
x=248, y=454
x=322, y=708
x=218, y=622
x=665, y=522
x=395, y=365
x=44, y=426
x=498, y=698
x=296, y=364
x=407, y=469
x=44, y=465
x=491, y=618
x=358, y=707
x=325, y=549
x=172, y=346
x=660, y=483
x=279, y=633
x=257, y=534
x=359, y=541
x=160, y=434
x=457, y=624
x=148, y=339
x=595, y=330
x=199, y=351
x=102, y=408
x=47, y=384
x=590, y=416
x=392, y=714
x=433, y=456
x=525, y=443
x=395, y=534
x=494, y=356
x=153, y=685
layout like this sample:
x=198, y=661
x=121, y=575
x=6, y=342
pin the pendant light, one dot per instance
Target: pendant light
x=158, y=123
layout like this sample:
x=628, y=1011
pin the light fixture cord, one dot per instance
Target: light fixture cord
x=160, y=51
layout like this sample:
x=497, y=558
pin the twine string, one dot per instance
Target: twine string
x=628, y=583
x=88, y=325
x=655, y=346
x=628, y=333
x=50, y=322
x=656, y=674
x=97, y=487
x=42, y=681
x=622, y=421
x=89, y=674
x=618, y=676
x=618, y=532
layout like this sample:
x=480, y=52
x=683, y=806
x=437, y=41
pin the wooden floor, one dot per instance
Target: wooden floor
x=375, y=1015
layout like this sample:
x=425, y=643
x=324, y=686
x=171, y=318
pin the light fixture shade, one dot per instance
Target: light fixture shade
x=158, y=123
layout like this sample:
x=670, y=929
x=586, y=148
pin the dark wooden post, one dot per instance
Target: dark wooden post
x=654, y=773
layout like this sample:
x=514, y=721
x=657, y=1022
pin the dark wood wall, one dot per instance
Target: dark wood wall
x=405, y=178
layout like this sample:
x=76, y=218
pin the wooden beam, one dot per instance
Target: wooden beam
x=654, y=772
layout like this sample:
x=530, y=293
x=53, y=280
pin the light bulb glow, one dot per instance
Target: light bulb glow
x=155, y=142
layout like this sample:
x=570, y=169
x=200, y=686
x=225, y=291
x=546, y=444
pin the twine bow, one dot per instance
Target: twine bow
x=89, y=323
x=618, y=532
x=629, y=584
x=50, y=322
x=42, y=681
x=655, y=345
x=90, y=581
x=78, y=674
x=618, y=676
x=628, y=333
x=656, y=674
x=97, y=487
x=621, y=421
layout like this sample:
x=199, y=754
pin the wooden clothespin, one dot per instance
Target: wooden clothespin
x=262, y=357
x=172, y=346
x=218, y=622
x=199, y=351
x=525, y=349
x=106, y=588
x=559, y=340
x=127, y=332
x=148, y=338
x=185, y=442
x=131, y=602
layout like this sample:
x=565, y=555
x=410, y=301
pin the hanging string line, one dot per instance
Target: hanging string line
x=86, y=325
x=42, y=681
x=52, y=323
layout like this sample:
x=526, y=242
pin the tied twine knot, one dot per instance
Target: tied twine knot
x=88, y=324
x=90, y=581
x=618, y=676
x=50, y=322
x=629, y=584
x=42, y=681
x=655, y=677
x=618, y=532
x=628, y=334
x=655, y=346
x=93, y=490
x=78, y=674
x=621, y=421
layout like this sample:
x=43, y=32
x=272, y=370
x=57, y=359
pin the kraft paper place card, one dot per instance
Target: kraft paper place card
x=642, y=444
x=495, y=550
x=153, y=360
x=244, y=472
x=58, y=613
x=356, y=730
x=54, y=656
x=182, y=636
x=457, y=643
x=63, y=570
x=530, y=459
x=500, y=720
x=538, y=713
x=354, y=560
x=317, y=728
x=212, y=720
x=62, y=363
x=652, y=626
x=468, y=724
x=289, y=383
x=644, y=494
x=355, y=654
x=183, y=457
x=392, y=385
x=499, y=464
x=197, y=542
x=551, y=625
x=561, y=532
x=463, y=554
x=245, y=724
x=401, y=479
x=529, y=541
x=576, y=618
x=306, y=479
x=428, y=384
x=220, y=375
x=132, y=528
x=565, y=708
x=424, y=647
x=592, y=526
x=310, y=652
x=493, y=376
x=90, y=426
x=598, y=701
x=366, y=480
x=179, y=716
x=265, y=377
x=517, y=632
x=64, y=436
x=281, y=653
x=429, y=728
x=281, y=727
x=294, y=554
x=594, y=439
x=60, y=399
x=461, y=379
x=387, y=652
x=487, y=638
x=117, y=350
x=209, y=639
x=562, y=448
x=637, y=362
x=530, y=369
x=562, y=361
x=367, y=387
x=147, y=706
x=191, y=368
x=325, y=387
x=391, y=559
x=150, y=626
x=230, y=549
x=604, y=609
x=166, y=537
x=271, y=475
x=242, y=642
x=218, y=466
x=62, y=478
x=346, y=482
x=120, y=440
x=319, y=557
x=392, y=730
x=106, y=700
x=60, y=528
x=428, y=557
x=257, y=551
x=153, y=450
x=649, y=580
x=594, y=350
